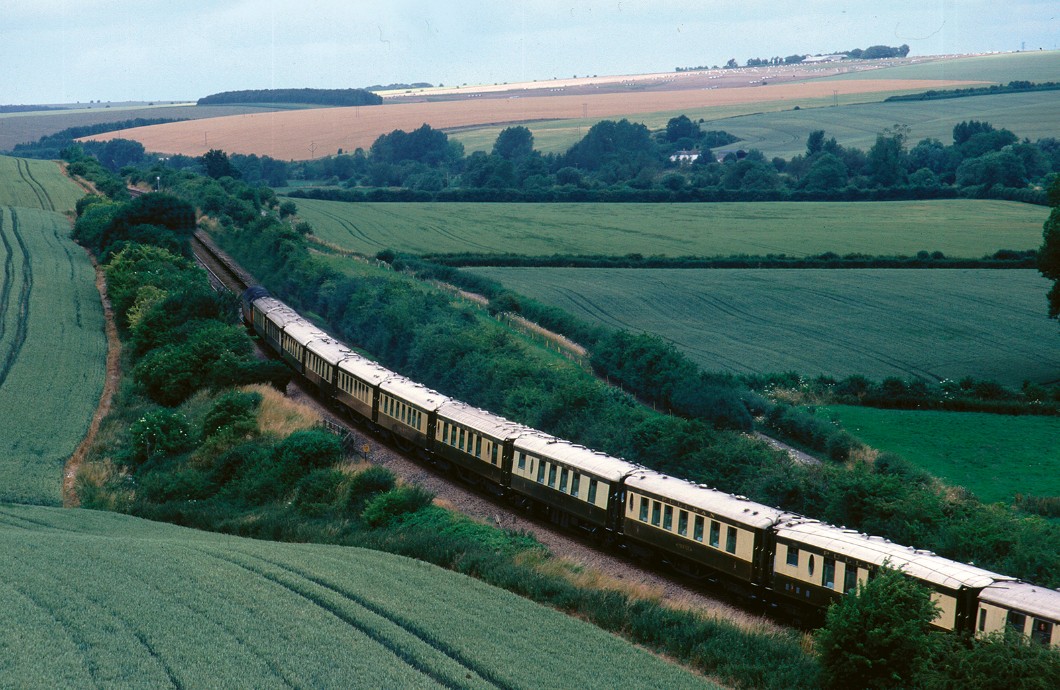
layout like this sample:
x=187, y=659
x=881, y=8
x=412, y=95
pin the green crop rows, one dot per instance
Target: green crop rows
x=1037, y=66
x=911, y=323
x=958, y=228
x=102, y=600
x=52, y=352
x=993, y=456
x=36, y=184
x=1031, y=115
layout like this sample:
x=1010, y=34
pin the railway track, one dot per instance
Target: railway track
x=670, y=587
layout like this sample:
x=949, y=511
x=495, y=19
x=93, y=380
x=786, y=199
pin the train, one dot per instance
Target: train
x=776, y=556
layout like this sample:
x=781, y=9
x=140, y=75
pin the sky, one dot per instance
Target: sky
x=67, y=51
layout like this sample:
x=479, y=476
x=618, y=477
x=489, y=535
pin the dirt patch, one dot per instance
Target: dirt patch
x=110, y=386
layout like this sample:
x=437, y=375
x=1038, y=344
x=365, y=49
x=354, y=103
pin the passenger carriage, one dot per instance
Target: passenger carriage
x=478, y=443
x=295, y=337
x=817, y=563
x=705, y=529
x=1029, y=609
x=269, y=317
x=356, y=386
x=406, y=410
x=322, y=358
x=579, y=486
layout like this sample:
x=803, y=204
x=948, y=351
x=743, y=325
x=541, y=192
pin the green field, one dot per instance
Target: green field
x=993, y=456
x=1034, y=65
x=95, y=599
x=931, y=324
x=52, y=352
x=958, y=228
x=37, y=184
x=1030, y=115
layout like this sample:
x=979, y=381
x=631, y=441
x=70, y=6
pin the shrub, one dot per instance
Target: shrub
x=159, y=433
x=384, y=508
x=316, y=493
x=365, y=484
x=235, y=410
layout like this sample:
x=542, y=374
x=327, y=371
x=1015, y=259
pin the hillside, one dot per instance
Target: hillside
x=99, y=599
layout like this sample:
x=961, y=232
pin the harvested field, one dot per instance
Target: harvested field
x=307, y=134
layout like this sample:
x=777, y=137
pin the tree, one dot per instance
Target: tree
x=215, y=163
x=878, y=636
x=514, y=143
x=1049, y=254
x=681, y=127
x=886, y=158
x=1002, y=659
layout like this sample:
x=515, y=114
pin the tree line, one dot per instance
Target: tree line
x=331, y=97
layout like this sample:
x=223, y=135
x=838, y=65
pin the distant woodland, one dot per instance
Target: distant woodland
x=338, y=97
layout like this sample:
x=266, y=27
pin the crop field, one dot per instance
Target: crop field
x=52, y=352
x=95, y=599
x=958, y=228
x=1034, y=65
x=993, y=456
x=305, y=134
x=1030, y=115
x=21, y=128
x=931, y=324
x=37, y=184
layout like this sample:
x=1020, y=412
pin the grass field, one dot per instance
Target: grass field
x=993, y=456
x=37, y=184
x=52, y=352
x=911, y=323
x=96, y=599
x=958, y=228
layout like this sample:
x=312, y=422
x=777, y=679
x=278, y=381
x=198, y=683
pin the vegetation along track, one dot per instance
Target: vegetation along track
x=672, y=589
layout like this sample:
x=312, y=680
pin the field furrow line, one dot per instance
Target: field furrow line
x=352, y=228
x=23, y=172
x=46, y=200
x=23, y=522
x=409, y=625
x=321, y=602
x=170, y=675
x=22, y=328
x=449, y=234
x=76, y=638
x=9, y=279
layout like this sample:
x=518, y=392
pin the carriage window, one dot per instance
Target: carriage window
x=715, y=533
x=452, y=435
x=1042, y=631
x=1017, y=621
x=522, y=458
x=552, y=475
x=668, y=517
x=493, y=453
x=655, y=506
x=811, y=564
x=730, y=539
x=478, y=446
x=698, y=530
x=850, y=578
x=829, y=573
x=575, y=480
x=592, y=491
x=461, y=446
x=564, y=473
x=793, y=556
x=541, y=472
x=682, y=523
x=644, y=508
x=982, y=619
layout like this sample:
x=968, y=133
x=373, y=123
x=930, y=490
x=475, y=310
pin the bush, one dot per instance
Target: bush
x=365, y=484
x=316, y=493
x=159, y=433
x=235, y=410
x=384, y=508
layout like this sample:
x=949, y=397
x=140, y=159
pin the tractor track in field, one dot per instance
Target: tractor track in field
x=22, y=327
x=39, y=190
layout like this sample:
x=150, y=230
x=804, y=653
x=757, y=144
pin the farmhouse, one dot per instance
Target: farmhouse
x=684, y=157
